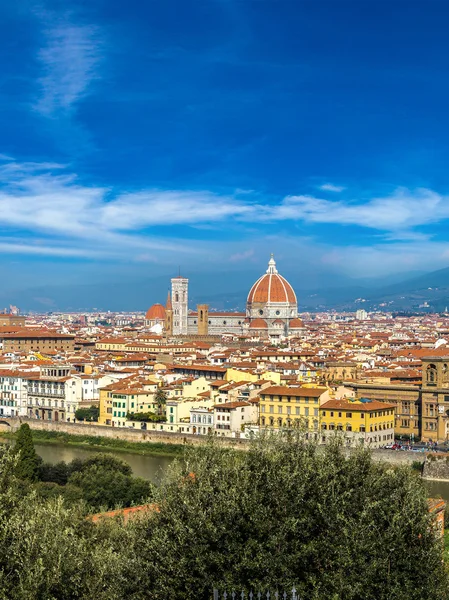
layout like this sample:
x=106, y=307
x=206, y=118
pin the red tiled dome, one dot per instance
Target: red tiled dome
x=258, y=324
x=157, y=311
x=271, y=287
x=296, y=324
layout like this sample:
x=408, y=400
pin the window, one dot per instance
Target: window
x=332, y=414
x=306, y=411
x=298, y=410
x=323, y=413
x=271, y=409
x=349, y=415
x=289, y=410
x=339, y=415
x=262, y=408
x=280, y=410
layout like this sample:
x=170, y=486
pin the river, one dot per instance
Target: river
x=146, y=466
x=153, y=467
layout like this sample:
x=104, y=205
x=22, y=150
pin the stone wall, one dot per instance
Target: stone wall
x=436, y=466
x=128, y=434
x=162, y=437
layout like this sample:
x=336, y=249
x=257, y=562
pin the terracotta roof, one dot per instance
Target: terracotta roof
x=231, y=405
x=281, y=390
x=157, y=311
x=296, y=323
x=258, y=324
x=355, y=406
x=271, y=287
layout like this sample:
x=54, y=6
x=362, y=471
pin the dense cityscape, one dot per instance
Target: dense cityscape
x=177, y=370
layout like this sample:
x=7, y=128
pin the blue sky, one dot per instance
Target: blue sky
x=139, y=136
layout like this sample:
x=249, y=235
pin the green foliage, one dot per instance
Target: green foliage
x=161, y=399
x=28, y=462
x=289, y=513
x=107, y=489
x=48, y=551
x=102, y=481
x=146, y=417
x=87, y=414
x=70, y=493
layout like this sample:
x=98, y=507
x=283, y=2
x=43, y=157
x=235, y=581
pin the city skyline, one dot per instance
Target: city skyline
x=134, y=141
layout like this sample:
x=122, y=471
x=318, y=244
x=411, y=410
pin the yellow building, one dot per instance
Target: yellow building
x=284, y=407
x=120, y=398
x=238, y=375
x=369, y=423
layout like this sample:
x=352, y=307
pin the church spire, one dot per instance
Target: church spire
x=272, y=266
x=168, y=304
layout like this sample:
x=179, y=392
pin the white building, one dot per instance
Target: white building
x=231, y=418
x=180, y=301
x=201, y=420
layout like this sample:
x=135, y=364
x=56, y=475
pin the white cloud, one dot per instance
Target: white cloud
x=401, y=210
x=330, y=187
x=70, y=62
x=242, y=256
x=60, y=216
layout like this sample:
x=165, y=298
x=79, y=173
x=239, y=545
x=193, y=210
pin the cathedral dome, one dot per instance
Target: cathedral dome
x=271, y=288
x=156, y=312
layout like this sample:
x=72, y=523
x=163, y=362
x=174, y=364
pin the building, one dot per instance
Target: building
x=286, y=407
x=11, y=320
x=37, y=341
x=361, y=315
x=368, y=423
x=271, y=311
x=155, y=318
x=180, y=303
x=230, y=418
x=130, y=395
x=202, y=420
x=421, y=410
x=47, y=392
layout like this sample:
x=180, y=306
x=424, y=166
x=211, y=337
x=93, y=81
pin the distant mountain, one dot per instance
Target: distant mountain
x=228, y=291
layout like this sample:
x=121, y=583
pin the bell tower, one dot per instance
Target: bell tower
x=179, y=298
x=203, y=319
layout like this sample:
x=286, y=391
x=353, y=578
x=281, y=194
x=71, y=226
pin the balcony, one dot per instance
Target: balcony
x=48, y=393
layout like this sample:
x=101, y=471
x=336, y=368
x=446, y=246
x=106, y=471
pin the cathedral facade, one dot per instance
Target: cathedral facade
x=271, y=311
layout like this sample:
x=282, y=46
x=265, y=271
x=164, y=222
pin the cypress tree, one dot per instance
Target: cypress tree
x=28, y=462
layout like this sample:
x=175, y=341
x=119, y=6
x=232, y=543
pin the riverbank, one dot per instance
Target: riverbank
x=102, y=443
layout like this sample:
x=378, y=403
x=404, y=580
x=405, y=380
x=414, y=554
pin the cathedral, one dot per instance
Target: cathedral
x=271, y=312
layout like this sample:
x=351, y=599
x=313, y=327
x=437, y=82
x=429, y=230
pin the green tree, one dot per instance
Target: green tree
x=87, y=414
x=148, y=417
x=285, y=513
x=161, y=399
x=49, y=551
x=28, y=462
x=107, y=489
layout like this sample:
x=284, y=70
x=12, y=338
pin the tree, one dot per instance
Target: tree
x=148, y=417
x=161, y=399
x=28, y=462
x=107, y=489
x=87, y=414
x=48, y=550
x=285, y=513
